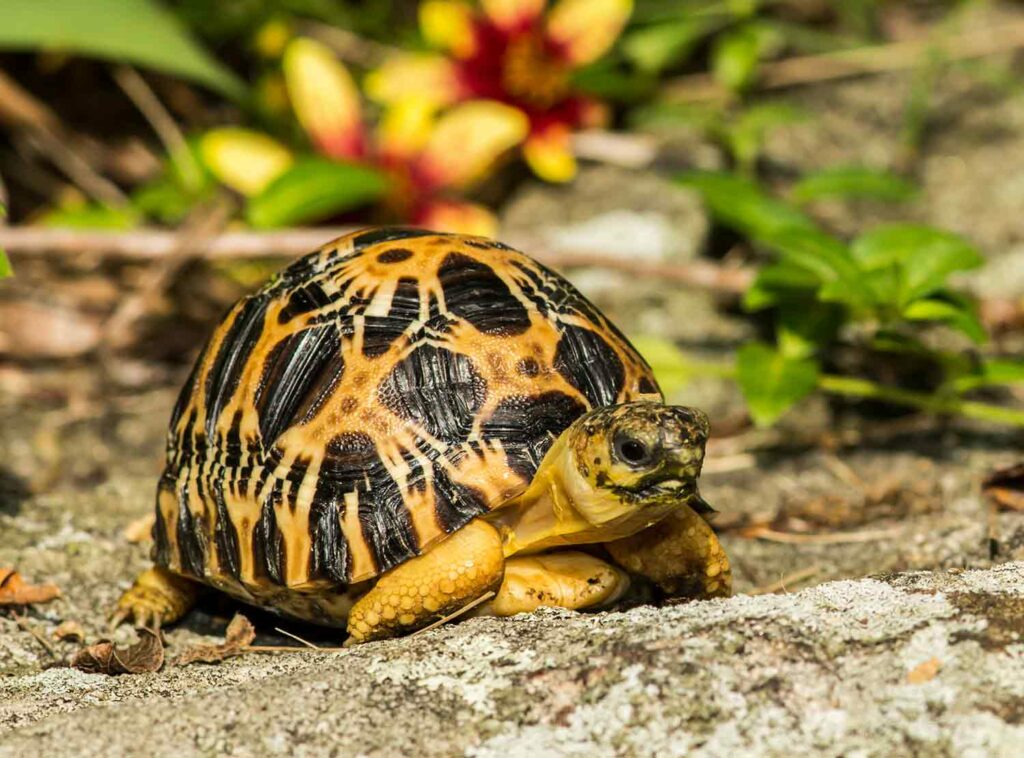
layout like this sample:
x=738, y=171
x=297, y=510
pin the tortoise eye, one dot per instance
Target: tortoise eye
x=632, y=451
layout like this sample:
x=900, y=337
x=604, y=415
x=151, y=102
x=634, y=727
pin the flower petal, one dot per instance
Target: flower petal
x=405, y=128
x=513, y=14
x=587, y=28
x=244, y=160
x=420, y=75
x=448, y=25
x=325, y=99
x=549, y=153
x=453, y=216
x=469, y=138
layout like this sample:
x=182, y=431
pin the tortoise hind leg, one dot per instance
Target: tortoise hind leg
x=157, y=597
x=680, y=553
x=566, y=579
x=447, y=577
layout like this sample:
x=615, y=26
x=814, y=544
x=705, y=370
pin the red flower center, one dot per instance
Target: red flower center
x=532, y=73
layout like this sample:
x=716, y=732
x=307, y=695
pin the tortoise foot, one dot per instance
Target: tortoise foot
x=568, y=579
x=427, y=588
x=681, y=554
x=157, y=597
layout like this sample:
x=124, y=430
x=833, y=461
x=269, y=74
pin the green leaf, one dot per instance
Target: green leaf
x=5, y=264
x=653, y=48
x=921, y=257
x=669, y=364
x=91, y=216
x=747, y=133
x=805, y=326
x=780, y=282
x=744, y=206
x=735, y=57
x=959, y=314
x=140, y=32
x=852, y=182
x=771, y=382
x=313, y=189
x=992, y=371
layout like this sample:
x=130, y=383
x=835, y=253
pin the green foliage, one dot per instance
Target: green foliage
x=741, y=133
x=5, y=264
x=140, y=32
x=314, y=189
x=852, y=182
x=91, y=216
x=773, y=382
x=881, y=287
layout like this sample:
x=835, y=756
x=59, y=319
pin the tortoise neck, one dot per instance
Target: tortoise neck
x=546, y=514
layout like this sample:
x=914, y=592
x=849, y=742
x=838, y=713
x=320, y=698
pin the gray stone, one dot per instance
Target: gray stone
x=911, y=664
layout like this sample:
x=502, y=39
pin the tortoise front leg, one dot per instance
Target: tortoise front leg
x=447, y=577
x=157, y=597
x=681, y=554
x=567, y=579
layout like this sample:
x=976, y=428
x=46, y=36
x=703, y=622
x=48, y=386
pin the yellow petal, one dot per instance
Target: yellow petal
x=469, y=138
x=587, y=28
x=325, y=98
x=448, y=25
x=510, y=14
x=549, y=154
x=405, y=128
x=245, y=161
x=463, y=218
x=421, y=75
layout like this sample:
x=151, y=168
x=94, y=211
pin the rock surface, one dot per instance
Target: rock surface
x=917, y=663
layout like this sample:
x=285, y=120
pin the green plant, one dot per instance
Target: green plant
x=5, y=264
x=134, y=31
x=877, y=293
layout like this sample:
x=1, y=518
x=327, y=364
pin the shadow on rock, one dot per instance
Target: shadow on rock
x=13, y=492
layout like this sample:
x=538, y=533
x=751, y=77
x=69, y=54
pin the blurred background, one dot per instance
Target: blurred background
x=807, y=214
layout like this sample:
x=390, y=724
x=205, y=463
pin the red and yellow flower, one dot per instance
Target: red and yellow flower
x=516, y=52
x=429, y=156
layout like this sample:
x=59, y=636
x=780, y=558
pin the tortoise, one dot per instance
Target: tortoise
x=404, y=421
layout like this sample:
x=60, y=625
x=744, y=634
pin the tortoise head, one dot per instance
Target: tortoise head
x=614, y=471
x=634, y=458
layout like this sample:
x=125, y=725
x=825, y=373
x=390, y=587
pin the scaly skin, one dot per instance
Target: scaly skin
x=681, y=554
x=455, y=572
x=157, y=597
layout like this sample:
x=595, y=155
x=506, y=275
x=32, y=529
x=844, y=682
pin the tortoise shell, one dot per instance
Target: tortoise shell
x=372, y=398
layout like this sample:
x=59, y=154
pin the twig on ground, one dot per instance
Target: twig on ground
x=23, y=624
x=296, y=637
x=859, y=61
x=455, y=614
x=140, y=93
x=204, y=223
x=154, y=244
x=829, y=538
x=786, y=581
x=48, y=137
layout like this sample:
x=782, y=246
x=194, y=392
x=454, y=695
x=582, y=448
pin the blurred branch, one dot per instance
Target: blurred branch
x=157, y=244
x=140, y=93
x=860, y=61
x=49, y=138
x=348, y=45
x=202, y=225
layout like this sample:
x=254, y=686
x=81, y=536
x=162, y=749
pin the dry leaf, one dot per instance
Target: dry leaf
x=144, y=656
x=924, y=672
x=69, y=631
x=239, y=635
x=1006, y=487
x=141, y=529
x=15, y=591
